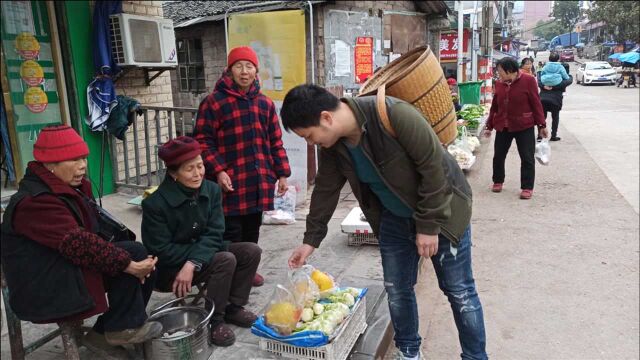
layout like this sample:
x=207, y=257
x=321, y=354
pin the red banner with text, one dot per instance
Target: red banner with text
x=449, y=45
x=363, y=58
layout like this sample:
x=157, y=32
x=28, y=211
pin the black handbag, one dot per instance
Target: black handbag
x=109, y=228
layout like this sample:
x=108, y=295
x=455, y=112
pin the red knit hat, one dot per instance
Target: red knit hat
x=242, y=53
x=451, y=81
x=59, y=143
x=179, y=150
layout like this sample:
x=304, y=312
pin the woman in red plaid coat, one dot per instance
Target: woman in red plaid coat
x=239, y=132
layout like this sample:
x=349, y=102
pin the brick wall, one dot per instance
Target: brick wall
x=214, y=55
x=158, y=93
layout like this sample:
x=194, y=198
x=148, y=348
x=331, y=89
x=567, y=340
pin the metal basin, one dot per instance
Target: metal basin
x=188, y=333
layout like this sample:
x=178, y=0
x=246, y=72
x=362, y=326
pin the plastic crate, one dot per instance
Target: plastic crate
x=338, y=349
x=358, y=230
x=357, y=239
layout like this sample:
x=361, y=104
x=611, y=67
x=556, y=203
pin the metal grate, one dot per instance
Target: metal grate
x=361, y=238
x=117, y=48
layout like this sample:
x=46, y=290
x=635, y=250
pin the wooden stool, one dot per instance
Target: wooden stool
x=71, y=333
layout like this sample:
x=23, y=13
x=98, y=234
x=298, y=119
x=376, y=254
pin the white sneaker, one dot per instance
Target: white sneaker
x=400, y=356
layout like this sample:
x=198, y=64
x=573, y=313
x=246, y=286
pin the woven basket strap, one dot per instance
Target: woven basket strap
x=381, y=105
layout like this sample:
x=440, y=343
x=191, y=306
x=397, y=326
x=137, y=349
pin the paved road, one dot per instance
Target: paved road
x=557, y=275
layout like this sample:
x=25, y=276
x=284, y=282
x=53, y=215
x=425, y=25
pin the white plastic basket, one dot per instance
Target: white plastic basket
x=358, y=238
x=358, y=231
x=338, y=349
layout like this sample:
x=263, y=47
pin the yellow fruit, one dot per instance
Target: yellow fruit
x=283, y=314
x=321, y=279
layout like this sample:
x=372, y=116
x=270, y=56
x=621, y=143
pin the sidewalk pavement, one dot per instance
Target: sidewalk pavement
x=557, y=275
x=351, y=266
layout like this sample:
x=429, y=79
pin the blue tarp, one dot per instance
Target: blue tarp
x=630, y=57
x=101, y=93
x=102, y=56
x=309, y=338
x=4, y=130
x=615, y=56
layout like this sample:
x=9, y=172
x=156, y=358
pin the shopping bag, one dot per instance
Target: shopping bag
x=543, y=151
x=284, y=212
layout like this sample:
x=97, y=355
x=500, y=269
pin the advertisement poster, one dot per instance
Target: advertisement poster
x=449, y=45
x=31, y=74
x=279, y=40
x=363, y=58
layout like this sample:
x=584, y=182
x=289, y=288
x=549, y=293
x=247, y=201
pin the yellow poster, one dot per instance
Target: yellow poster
x=279, y=40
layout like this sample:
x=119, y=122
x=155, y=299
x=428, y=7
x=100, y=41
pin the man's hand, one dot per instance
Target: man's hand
x=427, y=245
x=299, y=255
x=546, y=87
x=486, y=133
x=282, y=185
x=142, y=269
x=224, y=181
x=544, y=132
x=182, y=283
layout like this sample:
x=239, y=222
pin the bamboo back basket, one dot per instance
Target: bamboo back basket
x=416, y=77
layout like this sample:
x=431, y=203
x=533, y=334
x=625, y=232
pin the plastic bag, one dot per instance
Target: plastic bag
x=284, y=311
x=543, y=152
x=284, y=212
x=325, y=282
x=305, y=290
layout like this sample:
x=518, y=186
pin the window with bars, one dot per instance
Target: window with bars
x=190, y=66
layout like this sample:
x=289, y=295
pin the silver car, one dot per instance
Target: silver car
x=596, y=72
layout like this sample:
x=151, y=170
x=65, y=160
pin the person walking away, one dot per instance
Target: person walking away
x=515, y=112
x=411, y=191
x=535, y=53
x=551, y=98
x=183, y=224
x=57, y=267
x=553, y=73
x=238, y=129
x=528, y=49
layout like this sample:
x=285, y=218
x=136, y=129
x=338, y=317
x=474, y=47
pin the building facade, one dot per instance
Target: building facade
x=47, y=62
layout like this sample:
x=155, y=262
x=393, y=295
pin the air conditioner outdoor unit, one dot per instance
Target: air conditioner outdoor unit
x=143, y=41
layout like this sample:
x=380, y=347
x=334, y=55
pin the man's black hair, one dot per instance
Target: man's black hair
x=303, y=104
x=508, y=64
x=554, y=57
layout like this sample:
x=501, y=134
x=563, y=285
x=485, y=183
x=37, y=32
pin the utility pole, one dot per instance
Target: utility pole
x=459, y=74
x=474, y=42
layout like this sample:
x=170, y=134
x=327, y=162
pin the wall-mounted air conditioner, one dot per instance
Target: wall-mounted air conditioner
x=143, y=41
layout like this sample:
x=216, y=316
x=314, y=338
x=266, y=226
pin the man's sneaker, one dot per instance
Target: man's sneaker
x=496, y=188
x=400, y=356
x=258, y=280
x=526, y=194
x=148, y=331
x=97, y=344
x=555, y=138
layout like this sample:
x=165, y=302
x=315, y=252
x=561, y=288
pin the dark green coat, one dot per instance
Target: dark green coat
x=177, y=228
x=414, y=166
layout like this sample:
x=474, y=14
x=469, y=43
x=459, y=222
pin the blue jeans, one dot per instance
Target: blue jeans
x=455, y=278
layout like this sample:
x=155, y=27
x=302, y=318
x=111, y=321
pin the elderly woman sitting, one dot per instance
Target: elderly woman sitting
x=183, y=224
x=57, y=267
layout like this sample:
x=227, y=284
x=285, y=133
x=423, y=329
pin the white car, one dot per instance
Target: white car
x=596, y=72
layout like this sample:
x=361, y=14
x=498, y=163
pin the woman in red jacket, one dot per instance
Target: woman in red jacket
x=56, y=266
x=515, y=111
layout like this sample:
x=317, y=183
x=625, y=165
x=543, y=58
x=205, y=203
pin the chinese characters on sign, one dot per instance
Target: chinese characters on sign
x=363, y=58
x=449, y=45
